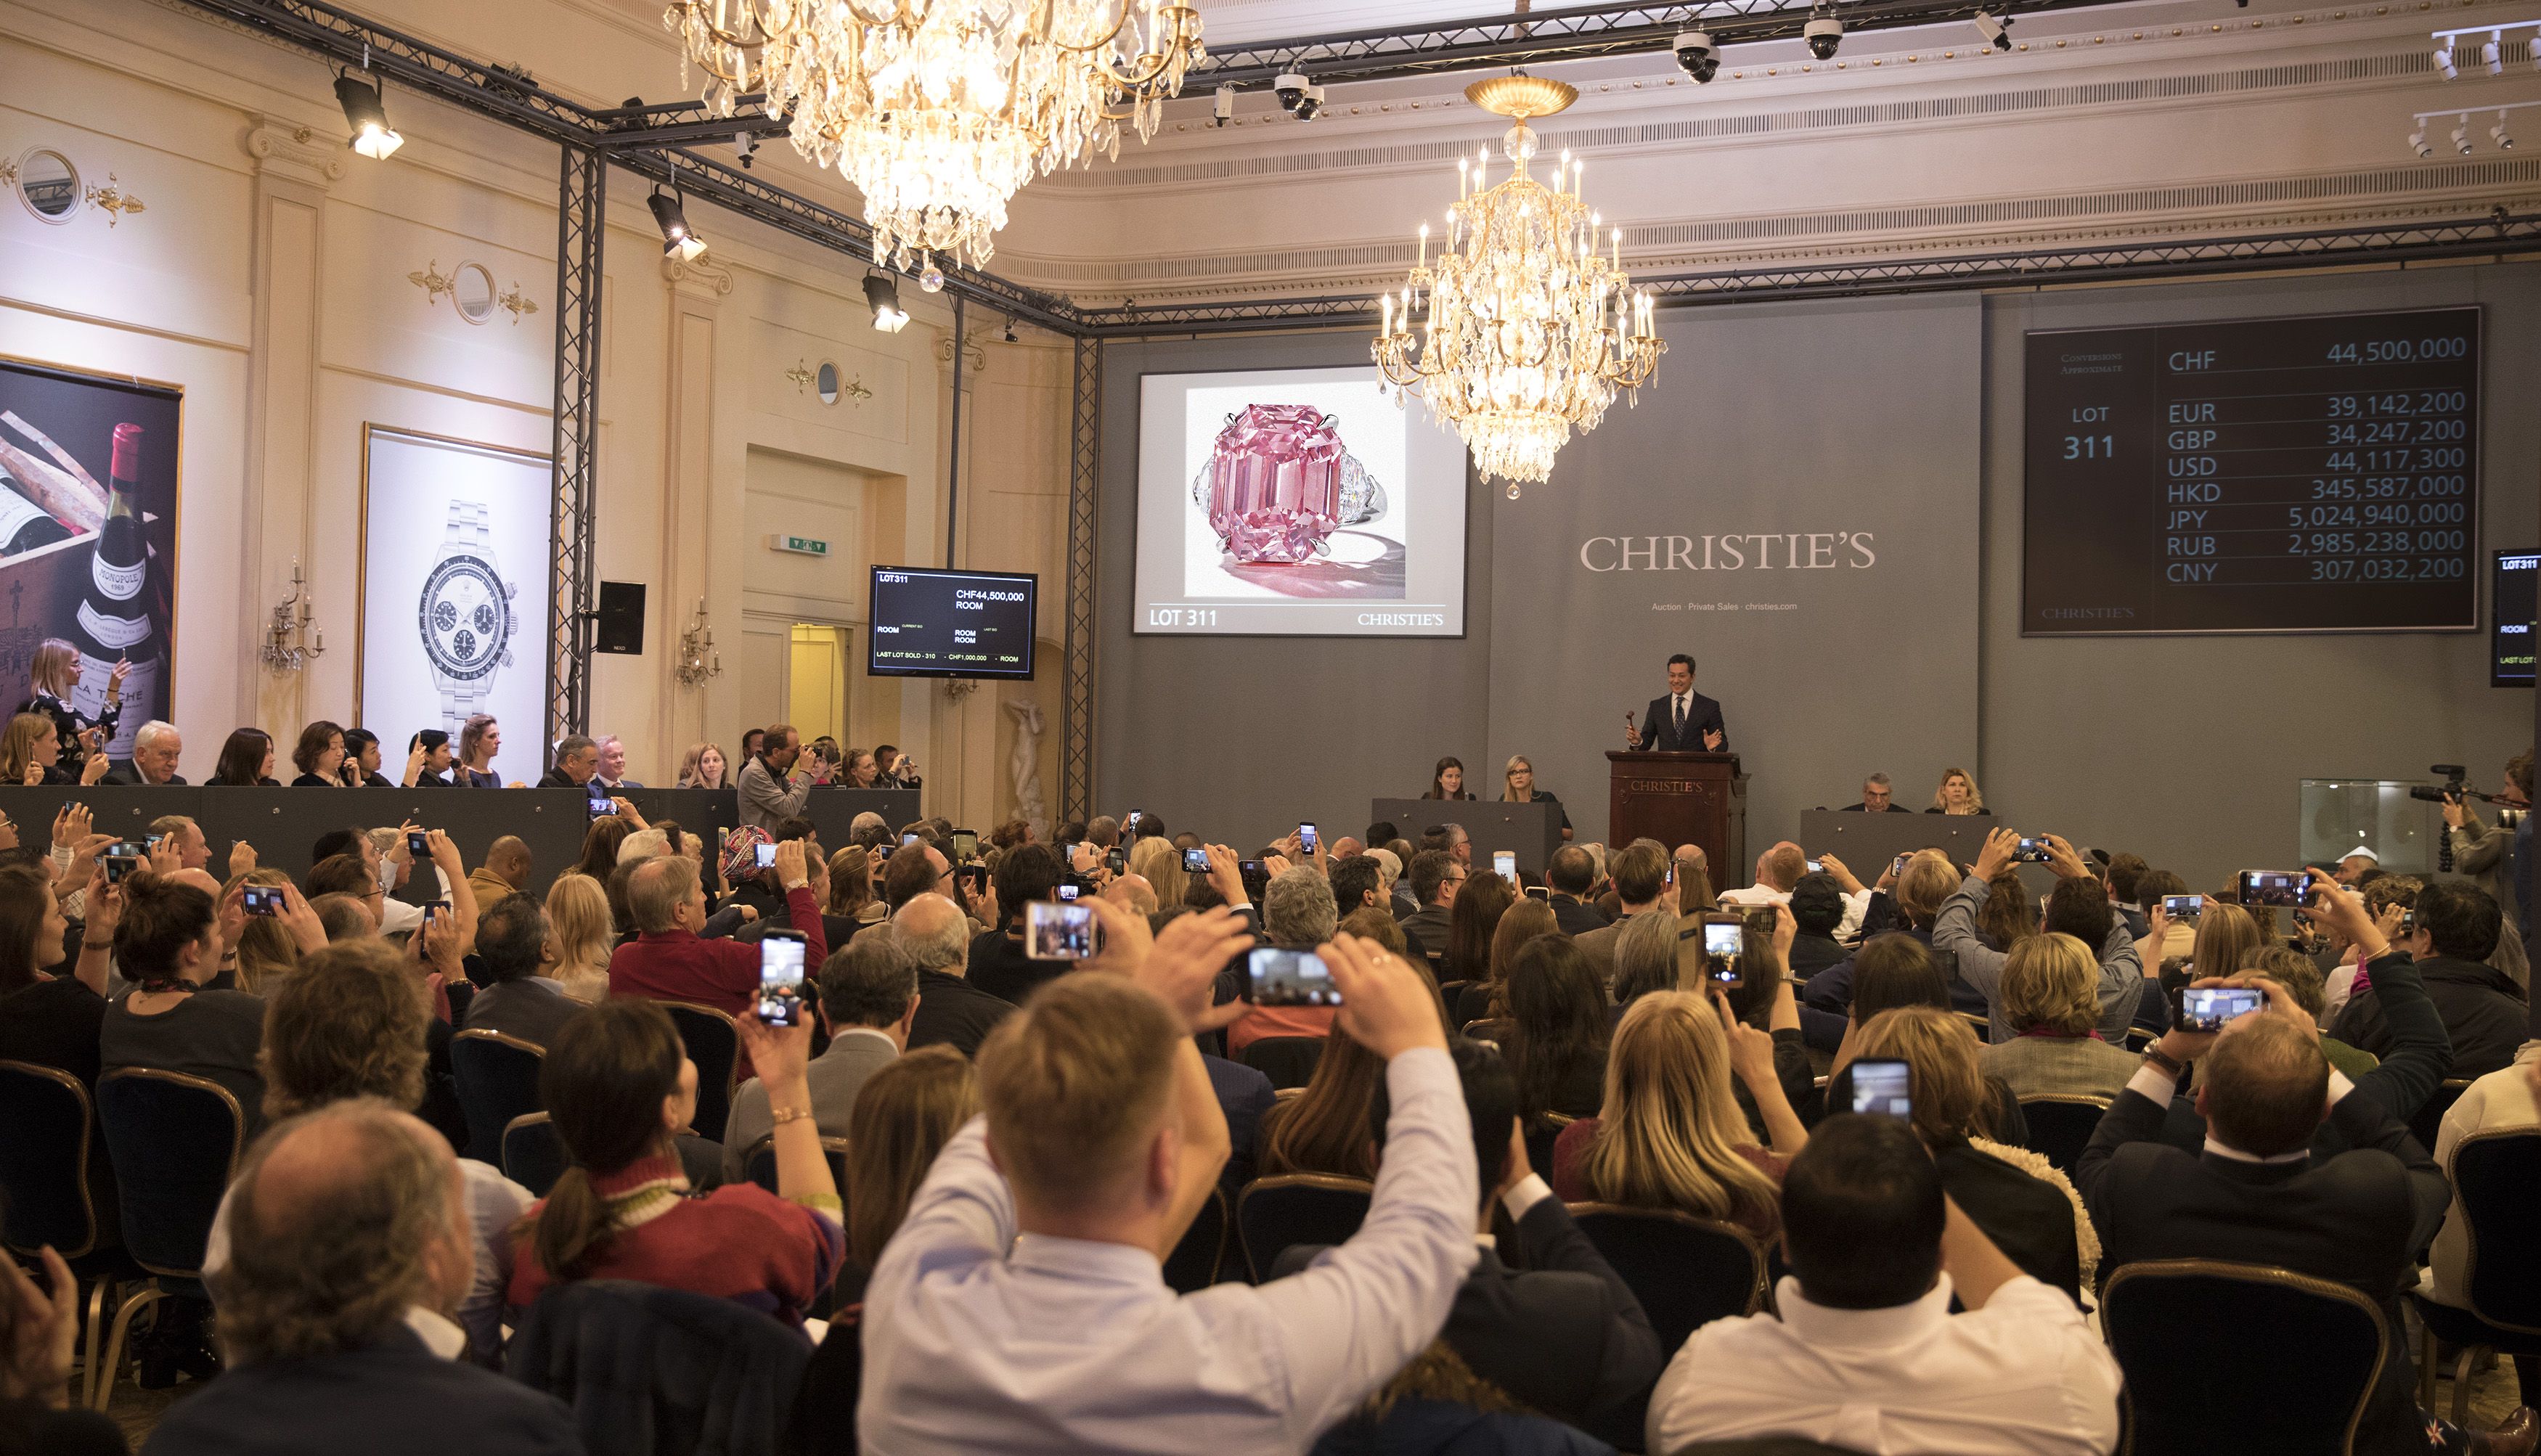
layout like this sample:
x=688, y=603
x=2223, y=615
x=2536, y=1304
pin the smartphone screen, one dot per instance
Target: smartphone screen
x=766, y=857
x=780, y=978
x=2183, y=906
x=966, y=843
x=2207, y=1008
x=601, y=807
x=1195, y=861
x=119, y=866
x=1057, y=933
x=2271, y=887
x=1817, y=867
x=1896, y=867
x=418, y=845
x=262, y=900
x=977, y=877
x=1306, y=838
x=1882, y=1087
x=1504, y=864
x=1291, y=978
x=1538, y=891
x=1724, y=938
x=434, y=909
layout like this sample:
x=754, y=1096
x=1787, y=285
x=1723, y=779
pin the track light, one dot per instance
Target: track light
x=2498, y=134
x=359, y=96
x=2492, y=56
x=2418, y=142
x=1997, y=32
x=2461, y=136
x=2444, y=62
x=673, y=219
x=884, y=295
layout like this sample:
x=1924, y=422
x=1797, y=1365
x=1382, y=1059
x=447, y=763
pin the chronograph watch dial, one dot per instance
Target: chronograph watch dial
x=464, y=616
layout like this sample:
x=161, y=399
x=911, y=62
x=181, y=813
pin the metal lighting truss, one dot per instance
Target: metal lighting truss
x=1544, y=37
x=654, y=141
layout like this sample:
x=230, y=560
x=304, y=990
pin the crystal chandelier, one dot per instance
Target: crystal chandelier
x=938, y=110
x=1529, y=329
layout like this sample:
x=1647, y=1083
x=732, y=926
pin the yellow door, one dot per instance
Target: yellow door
x=817, y=686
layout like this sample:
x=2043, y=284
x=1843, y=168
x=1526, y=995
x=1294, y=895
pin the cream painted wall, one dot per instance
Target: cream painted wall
x=268, y=277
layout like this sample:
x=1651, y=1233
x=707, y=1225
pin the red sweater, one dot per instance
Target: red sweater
x=675, y=966
x=739, y=1242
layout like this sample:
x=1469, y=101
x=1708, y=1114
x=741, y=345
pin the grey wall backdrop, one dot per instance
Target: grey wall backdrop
x=1899, y=418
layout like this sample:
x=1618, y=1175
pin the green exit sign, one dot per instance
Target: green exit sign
x=801, y=546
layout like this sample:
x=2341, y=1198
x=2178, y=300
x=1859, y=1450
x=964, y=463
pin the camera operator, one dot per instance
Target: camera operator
x=2484, y=853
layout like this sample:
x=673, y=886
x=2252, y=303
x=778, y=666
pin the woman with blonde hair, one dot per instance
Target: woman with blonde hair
x=1957, y=794
x=267, y=949
x=1669, y=1134
x=851, y=890
x=2228, y=939
x=1325, y=1127
x=1156, y=860
x=902, y=1116
x=2051, y=995
x=30, y=754
x=2028, y=1208
x=54, y=671
x=705, y=765
x=585, y=935
x=1519, y=775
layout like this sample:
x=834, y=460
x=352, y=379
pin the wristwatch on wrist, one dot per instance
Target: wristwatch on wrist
x=2160, y=1058
x=466, y=615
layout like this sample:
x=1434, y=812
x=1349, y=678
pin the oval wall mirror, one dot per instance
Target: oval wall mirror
x=50, y=185
x=471, y=290
x=826, y=381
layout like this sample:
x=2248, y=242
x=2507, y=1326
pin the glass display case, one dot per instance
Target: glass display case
x=2340, y=815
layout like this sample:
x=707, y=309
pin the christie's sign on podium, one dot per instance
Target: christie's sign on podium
x=1682, y=799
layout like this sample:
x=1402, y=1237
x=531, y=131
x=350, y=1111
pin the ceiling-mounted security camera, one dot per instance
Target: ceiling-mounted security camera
x=1309, y=104
x=1824, y=33
x=1290, y=89
x=1222, y=107
x=1697, y=54
x=1997, y=30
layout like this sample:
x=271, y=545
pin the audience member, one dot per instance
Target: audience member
x=1557, y=1031
x=668, y=961
x=1969, y=1125
x=350, y=1253
x=1641, y=883
x=2507, y=1100
x=49, y=1016
x=2300, y=976
x=2079, y=907
x=1691, y=872
x=1921, y=888
x=1324, y=1129
x=1471, y=922
x=2457, y=926
x=1487, y=997
x=1818, y=909
x=1862, y=1348
x=1106, y=1141
x=703, y=765
x=1297, y=913
x=167, y=943
x=618, y=1086
x=246, y=761
x=1669, y=1134
x=586, y=936
x=868, y=998
x=998, y=962
x=1570, y=874
x=935, y=936
x=523, y=997
x=770, y=789
x=505, y=872
x=2051, y=998
x=1645, y=959
x=1437, y=879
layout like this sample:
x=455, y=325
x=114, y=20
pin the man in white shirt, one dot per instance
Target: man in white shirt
x=1866, y=1353
x=1778, y=870
x=1021, y=1307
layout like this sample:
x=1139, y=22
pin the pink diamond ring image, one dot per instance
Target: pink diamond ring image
x=1278, y=483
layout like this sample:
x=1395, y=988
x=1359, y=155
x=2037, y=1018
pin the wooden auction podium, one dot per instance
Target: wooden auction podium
x=1682, y=799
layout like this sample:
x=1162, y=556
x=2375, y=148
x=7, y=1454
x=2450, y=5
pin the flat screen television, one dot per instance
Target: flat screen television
x=935, y=624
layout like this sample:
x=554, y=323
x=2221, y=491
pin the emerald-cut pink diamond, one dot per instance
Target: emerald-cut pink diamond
x=1272, y=485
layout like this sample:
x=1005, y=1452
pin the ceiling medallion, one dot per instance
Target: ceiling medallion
x=939, y=110
x=1529, y=330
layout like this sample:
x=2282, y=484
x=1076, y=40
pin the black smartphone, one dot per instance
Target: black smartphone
x=1195, y=861
x=975, y=875
x=1115, y=861
x=117, y=866
x=417, y=844
x=1256, y=878
x=1724, y=947
x=1057, y=933
x=1538, y=891
x=2206, y=1008
x=966, y=845
x=1883, y=1087
x=780, y=978
x=2030, y=851
x=1291, y=977
x=766, y=855
x=2272, y=887
x=2183, y=906
x=1070, y=888
x=601, y=807
x=434, y=909
x=1762, y=919
x=1306, y=838
x=262, y=900
x=2408, y=922
x=1896, y=867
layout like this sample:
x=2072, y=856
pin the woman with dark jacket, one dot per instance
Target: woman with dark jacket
x=320, y=757
x=55, y=671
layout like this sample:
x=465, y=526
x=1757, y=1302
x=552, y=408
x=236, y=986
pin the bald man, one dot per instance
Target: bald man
x=350, y=1249
x=504, y=874
x=1132, y=891
x=937, y=934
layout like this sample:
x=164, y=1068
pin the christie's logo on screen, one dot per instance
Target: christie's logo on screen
x=1805, y=550
x=1401, y=618
x=2088, y=613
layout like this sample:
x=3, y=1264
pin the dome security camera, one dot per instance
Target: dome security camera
x=1824, y=33
x=1310, y=104
x=1695, y=52
x=1290, y=89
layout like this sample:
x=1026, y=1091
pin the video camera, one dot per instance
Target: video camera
x=2457, y=787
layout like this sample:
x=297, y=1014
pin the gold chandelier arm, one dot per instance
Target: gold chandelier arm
x=695, y=11
x=1048, y=29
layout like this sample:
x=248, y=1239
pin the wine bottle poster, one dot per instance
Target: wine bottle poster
x=87, y=536
x=455, y=568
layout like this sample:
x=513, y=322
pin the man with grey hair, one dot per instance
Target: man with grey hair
x=1876, y=798
x=644, y=843
x=1297, y=913
x=869, y=993
x=1397, y=895
x=577, y=759
x=525, y=1000
x=612, y=773
x=176, y=843
x=349, y=1251
x=1103, y=832
x=155, y=748
x=936, y=937
x=870, y=829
